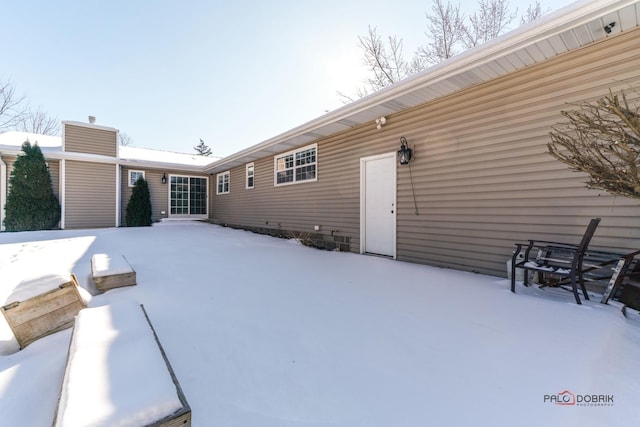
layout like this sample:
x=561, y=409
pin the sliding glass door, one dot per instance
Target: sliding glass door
x=188, y=196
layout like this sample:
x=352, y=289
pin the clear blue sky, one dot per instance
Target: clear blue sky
x=168, y=73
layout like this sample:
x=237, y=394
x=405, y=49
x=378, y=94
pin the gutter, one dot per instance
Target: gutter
x=556, y=23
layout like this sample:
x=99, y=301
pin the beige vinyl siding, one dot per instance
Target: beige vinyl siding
x=482, y=177
x=54, y=171
x=332, y=202
x=481, y=174
x=90, y=194
x=81, y=139
x=158, y=192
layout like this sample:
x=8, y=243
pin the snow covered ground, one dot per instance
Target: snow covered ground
x=266, y=332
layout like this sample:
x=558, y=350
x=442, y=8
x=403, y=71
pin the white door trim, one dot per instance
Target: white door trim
x=187, y=216
x=363, y=225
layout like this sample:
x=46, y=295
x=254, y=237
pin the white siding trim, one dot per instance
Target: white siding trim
x=118, y=195
x=63, y=136
x=3, y=190
x=63, y=180
x=88, y=125
x=117, y=143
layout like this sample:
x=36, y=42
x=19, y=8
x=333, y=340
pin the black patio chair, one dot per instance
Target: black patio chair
x=564, y=260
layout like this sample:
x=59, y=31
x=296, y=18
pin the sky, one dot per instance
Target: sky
x=170, y=73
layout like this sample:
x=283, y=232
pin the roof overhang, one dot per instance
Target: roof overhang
x=56, y=153
x=565, y=30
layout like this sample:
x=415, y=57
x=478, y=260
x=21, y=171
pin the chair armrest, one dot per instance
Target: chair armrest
x=543, y=243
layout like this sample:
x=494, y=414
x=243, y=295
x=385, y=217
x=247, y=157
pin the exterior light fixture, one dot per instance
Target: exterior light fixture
x=404, y=153
x=381, y=122
x=609, y=27
x=164, y=178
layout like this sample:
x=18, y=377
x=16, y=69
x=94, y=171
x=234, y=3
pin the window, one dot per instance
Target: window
x=133, y=177
x=250, y=175
x=223, y=183
x=188, y=195
x=296, y=166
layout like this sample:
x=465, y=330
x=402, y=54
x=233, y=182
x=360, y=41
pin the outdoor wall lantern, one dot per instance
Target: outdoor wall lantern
x=404, y=153
x=164, y=178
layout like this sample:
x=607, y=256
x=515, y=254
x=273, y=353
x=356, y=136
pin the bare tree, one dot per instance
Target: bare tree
x=448, y=33
x=124, y=139
x=446, y=30
x=37, y=121
x=602, y=139
x=534, y=11
x=385, y=61
x=12, y=107
x=492, y=19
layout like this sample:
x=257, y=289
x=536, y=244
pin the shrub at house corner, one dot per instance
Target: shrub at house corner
x=31, y=203
x=139, y=207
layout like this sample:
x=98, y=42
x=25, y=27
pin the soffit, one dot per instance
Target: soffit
x=568, y=29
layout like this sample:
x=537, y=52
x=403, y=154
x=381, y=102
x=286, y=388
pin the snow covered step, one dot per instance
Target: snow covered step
x=111, y=272
x=117, y=373
x=42, y=307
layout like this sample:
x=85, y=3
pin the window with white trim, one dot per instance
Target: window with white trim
x=223, y=182
x=134, y=176
x=296, y=166
x=250, y=173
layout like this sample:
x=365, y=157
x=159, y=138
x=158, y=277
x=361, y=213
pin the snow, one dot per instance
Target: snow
x=146, y=154
x=15, y=139
x=106, y=265
x=265, y=331
x=117, y=375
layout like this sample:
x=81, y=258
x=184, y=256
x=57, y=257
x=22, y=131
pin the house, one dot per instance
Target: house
x=479, y=178
x=93, y=176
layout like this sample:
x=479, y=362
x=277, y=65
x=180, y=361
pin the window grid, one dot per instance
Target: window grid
x=188, y=195
x=197, y=196
x=223, y=183
x=133, y=177
x=250, y=175
x=296, y=166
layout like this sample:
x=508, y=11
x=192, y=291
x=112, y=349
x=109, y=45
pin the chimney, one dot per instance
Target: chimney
x=92, y=119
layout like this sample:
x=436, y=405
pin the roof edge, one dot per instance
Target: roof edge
x=555, y=23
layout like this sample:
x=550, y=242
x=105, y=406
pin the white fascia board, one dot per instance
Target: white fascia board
x=55, y=153
x=89, y=125
x=161, y=165
x=571, y=16
x=3, y=190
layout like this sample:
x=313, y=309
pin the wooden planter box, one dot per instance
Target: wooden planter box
x=111, y=272
x=44, y=314
x=101, y=336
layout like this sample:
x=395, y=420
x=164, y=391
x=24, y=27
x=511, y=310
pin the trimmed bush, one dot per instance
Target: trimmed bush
x=31, y=204
x=139, y=207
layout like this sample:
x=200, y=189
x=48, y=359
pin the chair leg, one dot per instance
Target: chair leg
x=574, y=287
x=584, y=289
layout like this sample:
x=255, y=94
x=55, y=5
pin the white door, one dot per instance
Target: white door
x=378, y=205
